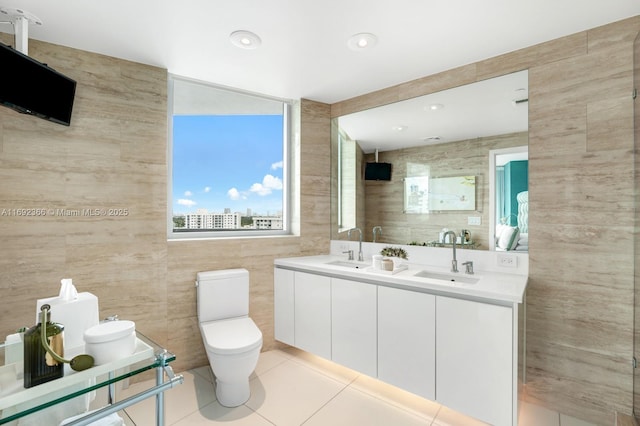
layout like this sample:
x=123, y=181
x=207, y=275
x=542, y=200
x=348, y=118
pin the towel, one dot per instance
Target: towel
x=110, y=420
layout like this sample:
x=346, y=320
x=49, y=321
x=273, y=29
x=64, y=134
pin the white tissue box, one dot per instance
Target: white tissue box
x=76, y=315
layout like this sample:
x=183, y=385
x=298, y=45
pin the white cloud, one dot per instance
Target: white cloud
x=188, y=193
x=207, y=189
x=185, y=202
x=234, y=194
x=277, y=165
x=269, y=183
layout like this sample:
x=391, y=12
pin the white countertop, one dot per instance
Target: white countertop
x=492, y=286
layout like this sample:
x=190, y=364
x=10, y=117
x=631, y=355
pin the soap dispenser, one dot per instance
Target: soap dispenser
x=40, y=366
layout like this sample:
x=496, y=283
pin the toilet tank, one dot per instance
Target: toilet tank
x=222, y=294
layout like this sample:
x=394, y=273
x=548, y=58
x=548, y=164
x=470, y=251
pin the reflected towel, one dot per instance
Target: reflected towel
x=110, y=420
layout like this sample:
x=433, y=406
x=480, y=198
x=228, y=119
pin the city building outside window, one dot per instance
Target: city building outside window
x=229, y=171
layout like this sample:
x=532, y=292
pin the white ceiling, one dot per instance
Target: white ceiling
x=496, y=106
x=304, y=50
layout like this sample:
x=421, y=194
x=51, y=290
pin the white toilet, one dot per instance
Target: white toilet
x=231, y=338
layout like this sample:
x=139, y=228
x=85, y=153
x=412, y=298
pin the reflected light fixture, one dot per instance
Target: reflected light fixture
x=521, y=97
x=435, y=107
x=362, y=41
x=245, y=39
x=399, y=128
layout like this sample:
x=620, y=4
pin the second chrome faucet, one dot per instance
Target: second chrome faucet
x=360, y=256
x=376, y=230
x=454, y=262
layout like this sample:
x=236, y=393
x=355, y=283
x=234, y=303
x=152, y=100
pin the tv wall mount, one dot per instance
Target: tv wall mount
x=20, y=19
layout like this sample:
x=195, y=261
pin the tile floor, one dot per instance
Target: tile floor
x=291, y=388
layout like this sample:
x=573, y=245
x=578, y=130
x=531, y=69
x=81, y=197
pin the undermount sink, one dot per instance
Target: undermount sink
x=347, y=264
x=447, y=277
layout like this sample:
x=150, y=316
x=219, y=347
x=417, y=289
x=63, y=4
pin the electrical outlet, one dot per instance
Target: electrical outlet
x=474, y=220
x=507, y=260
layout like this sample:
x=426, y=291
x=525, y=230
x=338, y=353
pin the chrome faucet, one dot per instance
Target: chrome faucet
x=376, y=230
x=360, y=256
x=454, y=262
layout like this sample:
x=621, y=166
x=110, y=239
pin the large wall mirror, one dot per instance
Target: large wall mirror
x=447, y=168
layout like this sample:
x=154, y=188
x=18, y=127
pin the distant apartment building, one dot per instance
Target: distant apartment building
x=267, y=222
x=206, y=220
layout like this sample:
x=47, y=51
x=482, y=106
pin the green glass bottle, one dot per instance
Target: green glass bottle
x=39, y=366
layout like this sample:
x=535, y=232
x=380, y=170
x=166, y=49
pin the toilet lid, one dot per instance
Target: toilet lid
x=231, y=336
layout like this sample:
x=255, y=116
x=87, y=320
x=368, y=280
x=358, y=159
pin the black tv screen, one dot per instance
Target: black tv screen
x=31, y=87
x=377, y=171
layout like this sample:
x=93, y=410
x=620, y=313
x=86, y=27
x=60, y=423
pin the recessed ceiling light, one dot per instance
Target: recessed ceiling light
x=431, y=139
x=245, y=39
x=399, y=128
x=362, y=41
x=435, y=107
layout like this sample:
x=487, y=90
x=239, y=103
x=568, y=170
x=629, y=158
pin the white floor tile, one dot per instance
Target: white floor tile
x=534, y=415
x=352, y=407
x=323, y=366
x=268, y=360
x=215, y=413
x=566, y=420
x=290, y=393
x=180, y=401
x=448, y=417
x=204, y=372
x=291, y=388
x=393, y=395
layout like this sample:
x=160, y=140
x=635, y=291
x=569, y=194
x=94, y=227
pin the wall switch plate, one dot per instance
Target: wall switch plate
x=507, y=260
x=474, y=220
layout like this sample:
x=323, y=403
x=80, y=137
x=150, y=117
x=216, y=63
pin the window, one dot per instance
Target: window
x=346, y=182
x=228, y=173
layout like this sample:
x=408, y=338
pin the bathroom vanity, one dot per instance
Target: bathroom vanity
x=452, y=338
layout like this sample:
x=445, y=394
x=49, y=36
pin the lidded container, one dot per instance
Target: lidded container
x=110, y=341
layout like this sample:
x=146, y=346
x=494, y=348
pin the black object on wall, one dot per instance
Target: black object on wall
x=31, y=87
x=377, y=171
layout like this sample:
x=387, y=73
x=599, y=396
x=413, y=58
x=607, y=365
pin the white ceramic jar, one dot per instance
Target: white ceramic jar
x=110, y=341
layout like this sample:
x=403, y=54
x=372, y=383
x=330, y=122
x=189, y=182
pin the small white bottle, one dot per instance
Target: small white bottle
x=377, y=261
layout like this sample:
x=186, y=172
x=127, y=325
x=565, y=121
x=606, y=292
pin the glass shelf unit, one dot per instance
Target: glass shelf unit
x=62, y=396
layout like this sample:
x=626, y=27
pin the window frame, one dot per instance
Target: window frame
x=287, y=164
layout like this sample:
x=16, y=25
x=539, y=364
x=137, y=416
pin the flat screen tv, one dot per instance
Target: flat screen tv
x=31, y=87
x=377, y=171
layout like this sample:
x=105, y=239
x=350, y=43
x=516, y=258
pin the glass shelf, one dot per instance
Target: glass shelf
x=17, y=401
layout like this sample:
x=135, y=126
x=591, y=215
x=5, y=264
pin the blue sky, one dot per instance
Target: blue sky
x=231, y=161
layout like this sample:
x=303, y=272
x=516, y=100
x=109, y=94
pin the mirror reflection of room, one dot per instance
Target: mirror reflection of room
x=436, y=137
x=512, y=201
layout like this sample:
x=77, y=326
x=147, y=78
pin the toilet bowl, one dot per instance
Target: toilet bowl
x=231, y=339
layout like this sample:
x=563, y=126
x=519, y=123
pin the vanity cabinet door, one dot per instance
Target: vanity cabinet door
x=406, y=340
x=474, y=359
x=283, y=301
x=353, y=325
x=312, y=312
